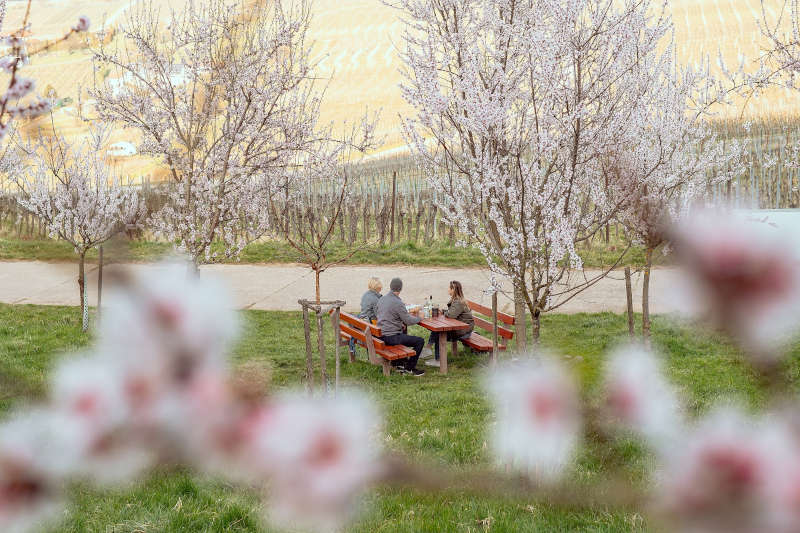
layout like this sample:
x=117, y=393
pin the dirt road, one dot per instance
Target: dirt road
x=278, y=287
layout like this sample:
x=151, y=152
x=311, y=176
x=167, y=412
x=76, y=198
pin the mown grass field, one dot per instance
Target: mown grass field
x=435, y=418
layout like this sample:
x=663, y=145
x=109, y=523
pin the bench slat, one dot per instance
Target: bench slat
x=359, y=323
x=395, y=352
x=480, y=343
x=501, y=331
x=359, y=335
x=348, y=331
x=482, y=309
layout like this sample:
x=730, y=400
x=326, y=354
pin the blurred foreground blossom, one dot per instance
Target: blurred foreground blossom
x=324, y=454
x=33, y=460
x=538, y=418
x=746, y=275
x=640, y=398
x=727, y=473
x=157, y=389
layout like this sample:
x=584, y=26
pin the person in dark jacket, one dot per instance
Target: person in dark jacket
x=393, y=319
x=457, y=308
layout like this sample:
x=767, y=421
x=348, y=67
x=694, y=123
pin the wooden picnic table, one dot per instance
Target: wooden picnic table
x=442, y=325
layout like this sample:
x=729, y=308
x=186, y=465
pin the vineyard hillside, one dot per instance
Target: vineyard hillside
x=356, y=43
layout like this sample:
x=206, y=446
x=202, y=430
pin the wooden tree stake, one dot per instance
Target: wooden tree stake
x=309, y=359
x=494, y=328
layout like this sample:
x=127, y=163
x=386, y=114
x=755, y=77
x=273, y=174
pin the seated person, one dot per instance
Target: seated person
x=369, y=304
x=369, y=301
x=393, y=319
x=457, y=308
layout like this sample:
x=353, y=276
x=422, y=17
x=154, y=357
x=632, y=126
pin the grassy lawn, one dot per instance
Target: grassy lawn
x=436, y=418
x=438, y=253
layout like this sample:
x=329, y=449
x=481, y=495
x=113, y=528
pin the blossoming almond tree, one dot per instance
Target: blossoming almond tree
x=70, y=187
x=223, y=96
x=516, y=102
x=671, y=162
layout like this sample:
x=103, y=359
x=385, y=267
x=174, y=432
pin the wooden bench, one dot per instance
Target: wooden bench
x=479, y=343
x=368, y=336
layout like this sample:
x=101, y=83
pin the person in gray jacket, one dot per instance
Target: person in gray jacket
x=393, y=319
x=369, y=305
x=369, y=300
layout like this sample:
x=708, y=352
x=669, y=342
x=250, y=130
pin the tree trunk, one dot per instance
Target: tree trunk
x=82, y=288
x=323, y=363
x=536, y=326
x=316, y=284
x=646, y=296
x=193, y=268
x=629, y=295
x=309, y=356
x=521, y=326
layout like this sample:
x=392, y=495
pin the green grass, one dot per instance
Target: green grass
x=435, y=418
x=438, y=253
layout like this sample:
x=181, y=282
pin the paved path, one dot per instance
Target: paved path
x=278, y=287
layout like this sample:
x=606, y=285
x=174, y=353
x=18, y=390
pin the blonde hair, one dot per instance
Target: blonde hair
x=375, y=284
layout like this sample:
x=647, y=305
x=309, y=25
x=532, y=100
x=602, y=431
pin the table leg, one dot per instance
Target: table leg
x=443, y=352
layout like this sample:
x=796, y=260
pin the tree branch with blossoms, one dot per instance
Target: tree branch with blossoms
x=14, y=54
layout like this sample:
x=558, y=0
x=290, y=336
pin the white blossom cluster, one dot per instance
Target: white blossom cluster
x=71, y=188
x=727, y=471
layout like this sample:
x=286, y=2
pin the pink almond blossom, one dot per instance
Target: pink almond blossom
x=640, y=398
x=538, y=419
x=745, y=274
x=721, y=477
x=172, y=327
x=34, y=459
x=323, y=454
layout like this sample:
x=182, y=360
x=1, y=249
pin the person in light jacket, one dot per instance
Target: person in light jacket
x=457, y=308
x=393, y=319
x=369, y=306
x=369, y=300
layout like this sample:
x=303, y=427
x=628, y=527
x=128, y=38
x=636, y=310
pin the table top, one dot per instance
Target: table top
x=442, y=323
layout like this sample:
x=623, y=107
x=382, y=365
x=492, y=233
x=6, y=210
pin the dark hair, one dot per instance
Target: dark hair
x=458, y=291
